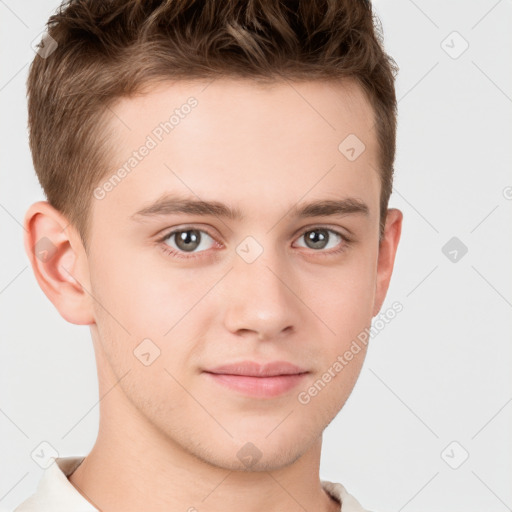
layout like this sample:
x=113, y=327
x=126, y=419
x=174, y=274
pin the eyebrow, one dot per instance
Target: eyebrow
x=171, y=204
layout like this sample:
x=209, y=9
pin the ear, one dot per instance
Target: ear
x=386, y=259
x=59, y=262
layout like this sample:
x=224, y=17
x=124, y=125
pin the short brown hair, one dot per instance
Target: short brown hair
x=108, y=49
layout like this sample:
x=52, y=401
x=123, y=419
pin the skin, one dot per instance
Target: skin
x=168, y=437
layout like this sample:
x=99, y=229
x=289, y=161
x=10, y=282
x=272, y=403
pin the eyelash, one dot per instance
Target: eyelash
x=180, y=254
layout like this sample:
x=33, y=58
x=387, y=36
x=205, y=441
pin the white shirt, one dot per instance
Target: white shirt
x=55, y=493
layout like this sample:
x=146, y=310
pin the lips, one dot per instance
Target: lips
x=257, y=380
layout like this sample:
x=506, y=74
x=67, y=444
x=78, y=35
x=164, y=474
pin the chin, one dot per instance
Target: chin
x=251, y=457
x=254, y=449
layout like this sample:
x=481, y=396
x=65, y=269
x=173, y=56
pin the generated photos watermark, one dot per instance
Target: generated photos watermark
x=305, y=396
x=152, y=140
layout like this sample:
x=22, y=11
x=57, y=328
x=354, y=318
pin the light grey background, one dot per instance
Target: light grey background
x=439, y=372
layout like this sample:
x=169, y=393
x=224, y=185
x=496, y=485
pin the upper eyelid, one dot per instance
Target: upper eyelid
x=185, y=228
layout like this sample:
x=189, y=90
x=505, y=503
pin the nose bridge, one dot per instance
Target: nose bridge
x=260, y=297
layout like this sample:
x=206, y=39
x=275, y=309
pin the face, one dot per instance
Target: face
x=255, y=273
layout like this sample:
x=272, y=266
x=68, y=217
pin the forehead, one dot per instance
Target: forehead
x=229, y=138
x=227, y=103
x=299, y=113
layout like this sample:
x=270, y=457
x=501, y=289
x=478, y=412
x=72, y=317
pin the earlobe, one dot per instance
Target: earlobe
x=58, y=261
x=387, y=252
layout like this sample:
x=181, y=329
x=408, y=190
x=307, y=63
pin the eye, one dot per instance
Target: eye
x=320, y=238
x=186, y=240
x=190, y=242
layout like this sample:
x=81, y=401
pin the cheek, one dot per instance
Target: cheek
x=149, y=315
x=143, y=298
x=346, y=304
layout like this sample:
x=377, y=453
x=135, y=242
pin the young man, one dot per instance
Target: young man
x=262, y=135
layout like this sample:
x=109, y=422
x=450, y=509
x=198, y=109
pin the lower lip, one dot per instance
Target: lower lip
x=265, y=387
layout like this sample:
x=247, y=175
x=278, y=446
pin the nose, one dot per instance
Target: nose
x=260, y=299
